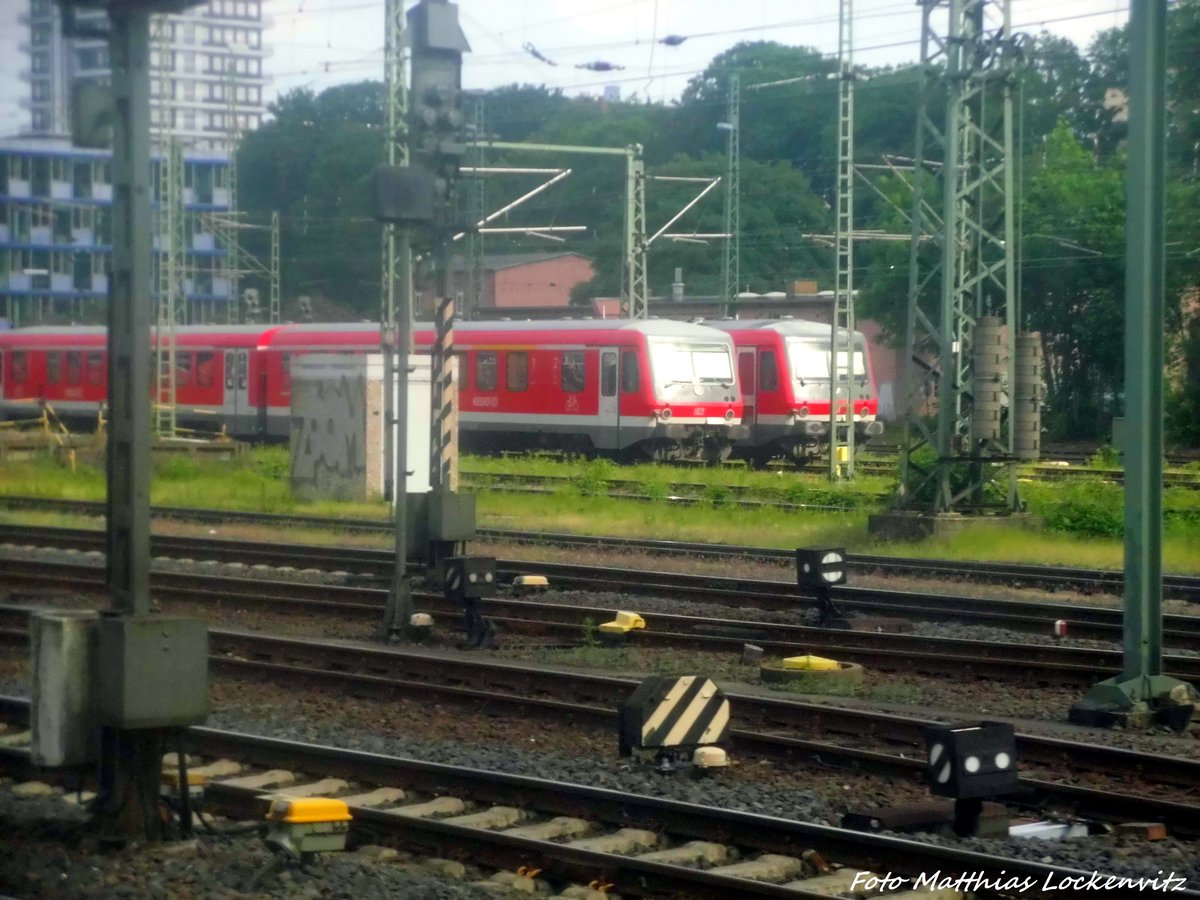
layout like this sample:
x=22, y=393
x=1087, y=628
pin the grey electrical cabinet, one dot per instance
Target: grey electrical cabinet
x=151, y=671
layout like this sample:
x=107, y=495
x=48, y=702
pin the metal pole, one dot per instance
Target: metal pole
x=129, y=334
x=1145, y=264
x=399, y=607
x=731, y=268
x=1142, y=695
x=131, y=761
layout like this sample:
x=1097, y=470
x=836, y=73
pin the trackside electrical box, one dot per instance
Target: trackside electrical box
x=60, y=716
x=150, y=671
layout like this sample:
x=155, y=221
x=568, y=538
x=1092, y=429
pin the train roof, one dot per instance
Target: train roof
x=292, y=334
x=785, y=327
x=43, y=336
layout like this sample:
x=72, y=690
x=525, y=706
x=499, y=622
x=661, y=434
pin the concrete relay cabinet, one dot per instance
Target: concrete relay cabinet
x=337, y=426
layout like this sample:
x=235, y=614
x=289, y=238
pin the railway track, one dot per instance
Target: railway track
x=889, y=651
x=570, y=625
x=764, y=727
x=631, y=844
x=1184, y=587
x=1101, y=623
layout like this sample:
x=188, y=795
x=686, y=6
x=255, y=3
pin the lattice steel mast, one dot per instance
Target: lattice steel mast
x=731, y=265
x=477, y=209
x=962, y=264
x=842, y=385
x=171, y=238
x=395, y=272
x=228, y=223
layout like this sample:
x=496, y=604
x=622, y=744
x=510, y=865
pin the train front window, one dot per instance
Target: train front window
x=691, y=364
x=810, y=361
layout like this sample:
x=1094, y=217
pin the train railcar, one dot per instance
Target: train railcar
x=631, y=389
x=783, y=367
x=219, y=380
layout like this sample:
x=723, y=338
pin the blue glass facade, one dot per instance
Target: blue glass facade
x=56, y=231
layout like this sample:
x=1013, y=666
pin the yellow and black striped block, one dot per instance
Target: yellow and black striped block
x=674, y=712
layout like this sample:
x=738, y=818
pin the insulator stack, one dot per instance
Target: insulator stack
x=1027, y=397
x=989, y=368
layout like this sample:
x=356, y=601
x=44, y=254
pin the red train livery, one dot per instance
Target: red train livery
x=783, y=367
x=633, y=389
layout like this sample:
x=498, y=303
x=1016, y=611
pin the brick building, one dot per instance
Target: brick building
x=516, y=281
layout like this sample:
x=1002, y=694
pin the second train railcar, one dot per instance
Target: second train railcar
x=651, y=390
x=218, y=377
x=784, y=370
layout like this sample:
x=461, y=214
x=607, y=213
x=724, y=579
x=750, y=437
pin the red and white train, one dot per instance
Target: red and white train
x=784, y=371
x=648, y=389
x=632, y=389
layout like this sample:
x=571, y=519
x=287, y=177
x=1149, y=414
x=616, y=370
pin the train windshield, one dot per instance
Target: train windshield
x=691, y=364
x=810, y=362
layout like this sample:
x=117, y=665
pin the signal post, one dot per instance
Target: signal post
x=423, y=199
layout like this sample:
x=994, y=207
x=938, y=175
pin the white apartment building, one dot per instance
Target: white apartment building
x=208, y=64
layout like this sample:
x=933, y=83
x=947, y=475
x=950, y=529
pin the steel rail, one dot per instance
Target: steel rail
x=929, y=656
x=362, y=670
x=1083, y=620
x=627, y=875
x=1182, y=586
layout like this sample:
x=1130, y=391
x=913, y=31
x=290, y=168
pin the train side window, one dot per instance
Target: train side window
x=20, y=366
x=95, y=368
x=573, y=374
x=608, y=375
x=53, y=367
x=183, y=370
x=242, y=365
x=485, y=371
x=204, y=369
x=74, y=367
x=629, y=372
x=768, y=371
x=229, y=364
x=516, y=371
x=285, y=373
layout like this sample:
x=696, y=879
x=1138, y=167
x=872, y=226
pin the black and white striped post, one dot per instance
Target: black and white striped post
x=443, y=432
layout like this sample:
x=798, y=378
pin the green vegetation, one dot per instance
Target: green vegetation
x=1083, y=518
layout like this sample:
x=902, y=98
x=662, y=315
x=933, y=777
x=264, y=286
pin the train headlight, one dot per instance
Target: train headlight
x=820, y=568
x=729, y=415
x=664, y=414
x=802, y=412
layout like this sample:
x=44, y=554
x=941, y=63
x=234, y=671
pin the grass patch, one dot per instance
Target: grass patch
x=1085, y=519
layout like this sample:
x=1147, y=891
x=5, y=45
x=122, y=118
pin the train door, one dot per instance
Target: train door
x=608, y=427
x=236, y=410
x=747, y=380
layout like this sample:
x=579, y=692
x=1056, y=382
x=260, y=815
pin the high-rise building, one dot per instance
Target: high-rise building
x=56, y=232
x=208, y=75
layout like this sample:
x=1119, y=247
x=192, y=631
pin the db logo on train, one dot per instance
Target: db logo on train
x=698, y=411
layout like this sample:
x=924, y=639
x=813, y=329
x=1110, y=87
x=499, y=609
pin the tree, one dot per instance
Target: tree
x=1073, y=283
